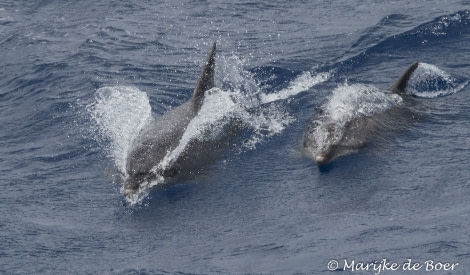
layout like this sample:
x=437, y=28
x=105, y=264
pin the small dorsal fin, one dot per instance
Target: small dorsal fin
x=400, y=84
x=206, y=79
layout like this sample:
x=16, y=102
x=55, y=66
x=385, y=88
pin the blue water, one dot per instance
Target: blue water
x=79, y=79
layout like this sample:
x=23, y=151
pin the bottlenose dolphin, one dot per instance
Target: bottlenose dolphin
x=325, y=138
x=144, y=162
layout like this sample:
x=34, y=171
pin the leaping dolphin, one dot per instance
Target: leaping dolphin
x=164, y=135
x=325, y=139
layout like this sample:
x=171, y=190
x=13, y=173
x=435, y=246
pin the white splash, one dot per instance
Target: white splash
x=120, y=113
x=350, y=101
x=429, y=81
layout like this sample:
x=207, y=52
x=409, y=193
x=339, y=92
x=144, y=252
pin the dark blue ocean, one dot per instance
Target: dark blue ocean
x=80, y=79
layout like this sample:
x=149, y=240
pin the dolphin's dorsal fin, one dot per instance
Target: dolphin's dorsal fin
x=206, y=79
x=400, y=84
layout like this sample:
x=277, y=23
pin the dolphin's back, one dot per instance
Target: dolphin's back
x=400, y=84
x=162, y=136
x=165, y=134
x=325, y=139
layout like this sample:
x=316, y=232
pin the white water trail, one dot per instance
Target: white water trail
x=302, y=83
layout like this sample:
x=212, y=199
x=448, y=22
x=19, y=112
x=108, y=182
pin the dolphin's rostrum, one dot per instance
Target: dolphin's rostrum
x=144, y=162
x=325, y=138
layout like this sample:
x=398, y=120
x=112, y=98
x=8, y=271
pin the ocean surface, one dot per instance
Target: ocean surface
x=79, y=80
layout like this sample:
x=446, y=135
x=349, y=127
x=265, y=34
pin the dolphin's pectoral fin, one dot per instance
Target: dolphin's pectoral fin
x=206, y=79
x=400, y=84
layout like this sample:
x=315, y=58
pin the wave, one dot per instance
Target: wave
x=378, y=42
x=428, y=81
x=446, y=25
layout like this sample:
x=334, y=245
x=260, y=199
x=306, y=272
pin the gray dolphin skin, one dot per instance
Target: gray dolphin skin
x=164, y=134
x=357, y=132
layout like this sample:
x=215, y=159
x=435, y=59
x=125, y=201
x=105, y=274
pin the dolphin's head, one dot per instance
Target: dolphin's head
x=321, y=155
x=319, y=141
x=326, y=154
x=135, y=181
x=138, y=179
x=323, y=158
x=325, y=142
